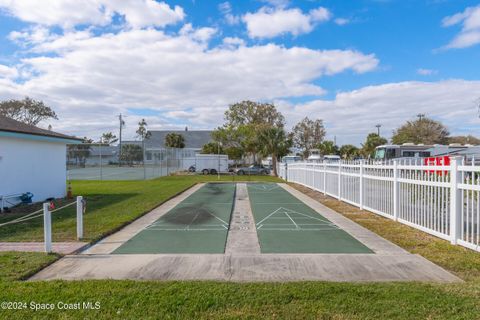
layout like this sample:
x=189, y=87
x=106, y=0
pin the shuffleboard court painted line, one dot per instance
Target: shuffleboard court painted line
x=287, y=225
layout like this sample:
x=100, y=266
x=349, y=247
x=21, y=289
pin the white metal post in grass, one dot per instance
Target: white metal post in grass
x=456, y=201
x=79, y=217
x=47, y=228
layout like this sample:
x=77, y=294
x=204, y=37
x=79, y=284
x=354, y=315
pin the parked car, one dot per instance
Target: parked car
x=253, y=169
x=331, y=158
x=291, y=159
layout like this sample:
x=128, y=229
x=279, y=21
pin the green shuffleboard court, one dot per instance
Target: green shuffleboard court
x=198, y=224
x=287, y=225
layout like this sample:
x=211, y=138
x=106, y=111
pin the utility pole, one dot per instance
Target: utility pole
x=122, y=123
x=378, y=126
x=421, y=116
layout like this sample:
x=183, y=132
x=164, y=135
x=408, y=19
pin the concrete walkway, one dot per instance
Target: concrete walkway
x=58, y=247
x=243, y=261
x=242, y=236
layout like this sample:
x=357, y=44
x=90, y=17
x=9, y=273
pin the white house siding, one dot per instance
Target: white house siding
x=32, y=166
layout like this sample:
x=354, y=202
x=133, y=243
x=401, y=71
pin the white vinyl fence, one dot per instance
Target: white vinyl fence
x=442, y=200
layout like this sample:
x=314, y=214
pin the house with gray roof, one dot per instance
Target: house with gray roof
x=194, y=139
x=155, y=148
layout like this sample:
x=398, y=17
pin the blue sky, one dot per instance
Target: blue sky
x=180, y=63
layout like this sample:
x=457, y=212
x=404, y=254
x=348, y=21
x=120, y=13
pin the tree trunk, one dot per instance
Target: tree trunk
x=274, y=165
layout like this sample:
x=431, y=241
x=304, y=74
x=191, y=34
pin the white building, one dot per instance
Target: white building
x=31, y=160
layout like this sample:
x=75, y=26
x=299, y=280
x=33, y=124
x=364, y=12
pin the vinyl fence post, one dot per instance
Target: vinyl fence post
x=339, y=180
x=361, y=186
x=313, y=176
x=79, y=217
x=395, y=190
x=455, y=200
x=47, y=228
x=324, y=178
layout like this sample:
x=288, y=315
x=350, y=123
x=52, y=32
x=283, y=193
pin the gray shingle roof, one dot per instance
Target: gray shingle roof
x=194, y=139
x=10, y=125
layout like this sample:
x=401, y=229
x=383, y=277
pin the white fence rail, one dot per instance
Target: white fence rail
x=443, y=200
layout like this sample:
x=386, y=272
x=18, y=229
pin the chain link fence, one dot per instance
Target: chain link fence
x=132, y=161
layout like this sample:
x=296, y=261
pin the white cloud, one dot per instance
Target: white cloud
x=271, y=22
x=226, y=9
x=201, y=34
x=277, y=3
x=342, y=21
x=7, y=72
x=353, y=114
x=320, y=14
x=67, y=13
x=426, y=72
x=90, y=78
x=470, y=33
x=233, y=42
x=31, y=36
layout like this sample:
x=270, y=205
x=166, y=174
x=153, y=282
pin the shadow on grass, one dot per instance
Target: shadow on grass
x=32, y=230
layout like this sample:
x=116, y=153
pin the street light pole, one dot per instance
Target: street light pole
x=378, y=126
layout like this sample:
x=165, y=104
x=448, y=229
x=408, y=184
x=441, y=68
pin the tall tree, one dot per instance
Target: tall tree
x=307, y=134
x=108, y=138
x=253, y=113
x=274, y=142
x=213, y=148
x=80, y=152
x=327, y=147
x=142, y=131
x=422, y=130
x=231, y=140
x=373, y=140
x=243, y=120
x=349, y=151
x=143, y=134
x=174, y=140
x=28, y=111
x=131, y=153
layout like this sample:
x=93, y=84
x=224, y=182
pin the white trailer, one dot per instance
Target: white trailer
x=207, y=163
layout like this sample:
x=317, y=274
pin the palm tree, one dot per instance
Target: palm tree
x=273, y=141
x=174, y=140
x=328, y=147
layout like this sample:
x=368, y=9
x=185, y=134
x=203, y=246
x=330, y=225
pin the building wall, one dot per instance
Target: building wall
x=32, y=166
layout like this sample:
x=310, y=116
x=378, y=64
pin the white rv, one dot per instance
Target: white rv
x=314, y=156
x=410, y=150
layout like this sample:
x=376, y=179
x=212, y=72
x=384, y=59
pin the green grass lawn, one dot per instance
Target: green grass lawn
x=112, y=204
